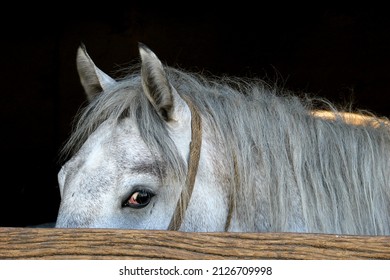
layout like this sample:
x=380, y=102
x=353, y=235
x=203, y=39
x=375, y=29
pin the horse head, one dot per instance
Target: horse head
x=132, y=153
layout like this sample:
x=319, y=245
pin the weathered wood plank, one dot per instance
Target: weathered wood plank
x=33, y=243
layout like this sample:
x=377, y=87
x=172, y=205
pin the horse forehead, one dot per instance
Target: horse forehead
x=119, y=143
x=112, y=150
x=111, y=144
x=127, y=143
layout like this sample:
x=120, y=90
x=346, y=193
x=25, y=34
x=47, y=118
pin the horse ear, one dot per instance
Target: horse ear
x=93, y=80
x=161, y=94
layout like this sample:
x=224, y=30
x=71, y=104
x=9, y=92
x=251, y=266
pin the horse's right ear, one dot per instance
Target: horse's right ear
x=93, y=80
x=157, y=88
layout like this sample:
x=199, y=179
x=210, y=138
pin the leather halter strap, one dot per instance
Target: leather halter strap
x=193, y=163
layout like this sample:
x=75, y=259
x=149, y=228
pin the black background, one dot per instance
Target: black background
x=338, y=53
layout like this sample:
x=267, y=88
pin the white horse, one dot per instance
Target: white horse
x=166, y=149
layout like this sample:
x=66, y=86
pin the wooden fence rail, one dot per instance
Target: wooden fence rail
x=39, y=243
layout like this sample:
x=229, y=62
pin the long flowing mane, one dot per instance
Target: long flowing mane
x=335, y=173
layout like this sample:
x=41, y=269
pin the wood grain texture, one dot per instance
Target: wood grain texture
x=33, y=243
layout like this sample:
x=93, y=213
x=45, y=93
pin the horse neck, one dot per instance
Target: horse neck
x=221, y=163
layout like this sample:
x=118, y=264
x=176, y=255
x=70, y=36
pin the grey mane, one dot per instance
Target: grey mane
x=335, y=174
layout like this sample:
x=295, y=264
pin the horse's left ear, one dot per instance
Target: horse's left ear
x=93, y=80
x=162, y=95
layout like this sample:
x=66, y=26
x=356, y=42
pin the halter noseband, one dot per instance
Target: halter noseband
x=193, y=163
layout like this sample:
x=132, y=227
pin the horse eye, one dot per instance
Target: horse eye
x=138, y=199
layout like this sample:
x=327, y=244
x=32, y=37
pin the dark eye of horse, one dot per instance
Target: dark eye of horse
x=138, y=199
